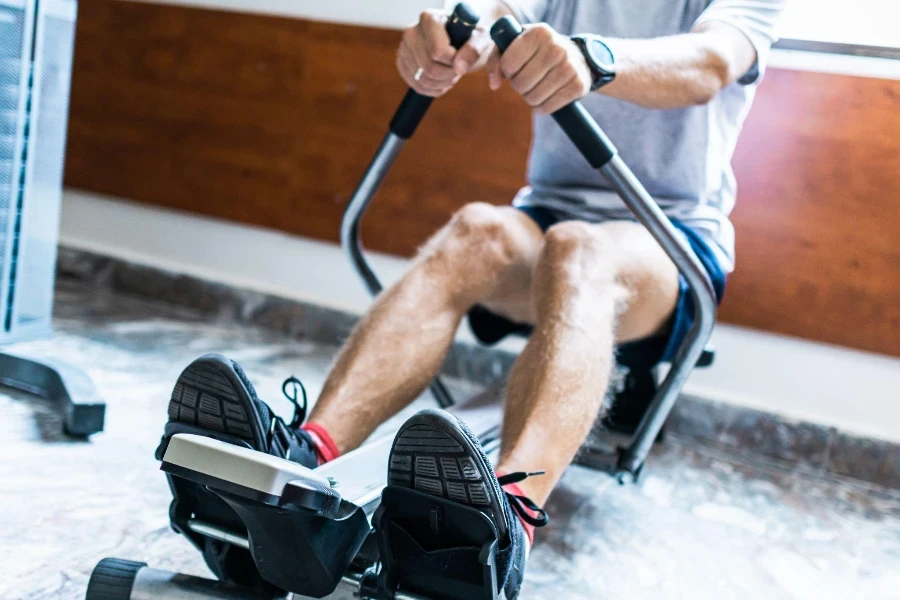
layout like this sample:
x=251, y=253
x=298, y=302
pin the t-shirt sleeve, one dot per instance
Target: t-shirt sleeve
x=528, y=11
x=756, y=19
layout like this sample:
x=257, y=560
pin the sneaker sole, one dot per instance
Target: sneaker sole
x=436, y=453
x=211, y=395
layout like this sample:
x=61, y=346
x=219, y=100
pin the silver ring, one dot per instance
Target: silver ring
x=418, y=74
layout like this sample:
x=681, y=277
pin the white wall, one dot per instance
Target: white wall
x=866, y=22
x=854, y=391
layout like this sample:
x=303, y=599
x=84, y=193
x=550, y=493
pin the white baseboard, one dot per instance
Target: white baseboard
x=854, y=391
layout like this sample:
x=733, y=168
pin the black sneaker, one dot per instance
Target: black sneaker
x=436, y=453
x=214, y=398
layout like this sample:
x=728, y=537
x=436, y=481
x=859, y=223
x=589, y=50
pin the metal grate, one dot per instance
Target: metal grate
x=15, y=56
x=54, y=44
x=12, y=265
x=36, y=48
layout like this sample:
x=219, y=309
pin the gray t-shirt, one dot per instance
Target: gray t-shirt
x=683, y=156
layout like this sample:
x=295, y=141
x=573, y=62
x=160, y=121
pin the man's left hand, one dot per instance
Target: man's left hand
x=544, y=66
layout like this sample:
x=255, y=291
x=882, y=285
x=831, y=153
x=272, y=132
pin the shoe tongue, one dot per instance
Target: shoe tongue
x=292, y=444
x=303, y=450
x=265, y=413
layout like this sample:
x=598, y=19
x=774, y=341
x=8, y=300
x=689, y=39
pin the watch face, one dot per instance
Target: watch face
x=601, y=53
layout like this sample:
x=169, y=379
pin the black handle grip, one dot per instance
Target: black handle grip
x=460, y=25
x=581, y=128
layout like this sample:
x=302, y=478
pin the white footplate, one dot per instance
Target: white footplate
x=243, y=467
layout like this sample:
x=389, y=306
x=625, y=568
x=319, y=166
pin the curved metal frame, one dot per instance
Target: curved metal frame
x=600, y=153
x=351, y=241
x=627, y=461
x=630, y=460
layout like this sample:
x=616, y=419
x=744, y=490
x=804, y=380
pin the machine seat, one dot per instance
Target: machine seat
x=489, y=328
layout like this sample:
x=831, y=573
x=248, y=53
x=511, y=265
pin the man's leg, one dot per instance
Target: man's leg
x=594, y=285
x=397, y=348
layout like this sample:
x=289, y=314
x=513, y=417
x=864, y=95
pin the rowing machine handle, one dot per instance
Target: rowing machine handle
x=460, y=25
x=581, y=128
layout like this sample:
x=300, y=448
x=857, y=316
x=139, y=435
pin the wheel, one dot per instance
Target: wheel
x=113, y=579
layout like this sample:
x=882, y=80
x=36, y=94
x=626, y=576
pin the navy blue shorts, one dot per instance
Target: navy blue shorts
x=490, y=328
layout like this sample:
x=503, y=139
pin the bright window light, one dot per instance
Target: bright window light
x=860, y=22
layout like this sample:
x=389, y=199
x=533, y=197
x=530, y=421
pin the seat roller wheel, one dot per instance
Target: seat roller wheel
x=113, y=579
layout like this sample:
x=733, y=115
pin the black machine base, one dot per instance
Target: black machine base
x=434, y=548
x=298, y=550
x=69, y=388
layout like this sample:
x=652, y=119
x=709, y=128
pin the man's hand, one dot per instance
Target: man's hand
x=544, y=66
x=426, y=51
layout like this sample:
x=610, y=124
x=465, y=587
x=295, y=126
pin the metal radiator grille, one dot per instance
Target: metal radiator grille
x=36, y=47
x=54, y=45
x=15, y=61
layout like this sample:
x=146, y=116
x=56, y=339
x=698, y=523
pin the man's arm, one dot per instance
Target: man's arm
x=549, y=71
x=680, y=70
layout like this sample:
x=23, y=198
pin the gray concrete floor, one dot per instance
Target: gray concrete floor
x=700, y=525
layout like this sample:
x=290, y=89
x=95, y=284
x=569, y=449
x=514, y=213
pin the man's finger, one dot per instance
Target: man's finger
x=534, y=71
x=549, y=85
x=433, y=69
x=495, y=77
x=412, y=66
x=564, y=96
x=470, y=55
x=522, y=50
x=407, y=67
x=434, y=33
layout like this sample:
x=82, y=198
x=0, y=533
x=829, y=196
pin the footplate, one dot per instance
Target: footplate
x=297, y=549
x=434, y=548
x=302, y=534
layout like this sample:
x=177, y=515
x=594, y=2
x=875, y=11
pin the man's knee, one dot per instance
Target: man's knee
x=479, y=236
x=579, y=249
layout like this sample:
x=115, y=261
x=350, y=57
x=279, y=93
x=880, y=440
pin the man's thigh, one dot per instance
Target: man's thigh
x=647, y=276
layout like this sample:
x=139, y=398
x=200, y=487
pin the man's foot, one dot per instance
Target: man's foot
x=436, y=453
x=214, y=398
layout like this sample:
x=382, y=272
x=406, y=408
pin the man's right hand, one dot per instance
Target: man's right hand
x=426, y=50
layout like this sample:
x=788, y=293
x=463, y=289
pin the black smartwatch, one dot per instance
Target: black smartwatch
x=599, y=58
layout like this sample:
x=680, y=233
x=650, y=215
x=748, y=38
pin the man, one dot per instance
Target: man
x=670, y=81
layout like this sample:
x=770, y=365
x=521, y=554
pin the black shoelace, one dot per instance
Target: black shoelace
x=524, y=506
x=292, y=388
x=283, y=438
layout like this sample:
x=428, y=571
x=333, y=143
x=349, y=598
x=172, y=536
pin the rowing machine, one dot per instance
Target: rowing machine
x=313, y=532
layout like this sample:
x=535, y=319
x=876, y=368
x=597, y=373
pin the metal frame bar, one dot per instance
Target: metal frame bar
x=351, y=240
x=646, y=210
x=840, y=48
x=154, y=584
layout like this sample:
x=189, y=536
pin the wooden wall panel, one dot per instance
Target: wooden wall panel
x=818, y=212
x=272, y=121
